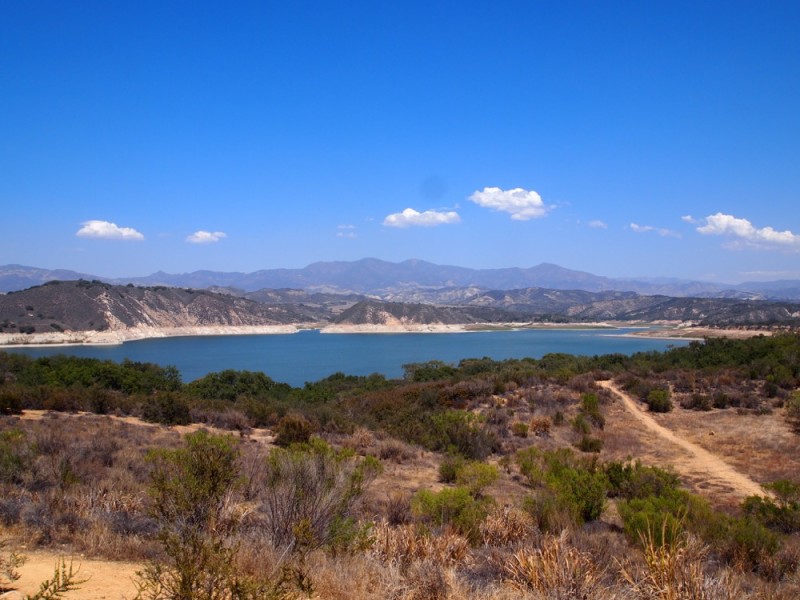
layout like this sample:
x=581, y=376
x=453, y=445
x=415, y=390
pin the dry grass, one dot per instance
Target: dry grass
x=556, y=570
x=406, y=544
x=677, y=571
x=507, y=526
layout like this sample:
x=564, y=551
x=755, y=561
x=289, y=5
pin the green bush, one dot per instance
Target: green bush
x=449, y=467
x=476, y=476
x=293, y=429
x=676, y=510
x=519, y=429
x=550, y=512
x=461, y=432
x=590, y=444
x=167, y=409
x=578, y=485
x=634, y=480
x=659, y=401
x=10, y=401
x=455, y=507
x=581, y=425
x=590, y=406
x=14, y=457
x=781, y=514
x=749, y=544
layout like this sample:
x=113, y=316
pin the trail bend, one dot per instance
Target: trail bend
x=698, y=460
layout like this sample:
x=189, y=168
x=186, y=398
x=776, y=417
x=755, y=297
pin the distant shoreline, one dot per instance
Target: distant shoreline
x=117, y=337
x=114, y=338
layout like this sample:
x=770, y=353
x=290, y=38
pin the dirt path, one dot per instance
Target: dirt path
x=697, y=461
x=105, y=580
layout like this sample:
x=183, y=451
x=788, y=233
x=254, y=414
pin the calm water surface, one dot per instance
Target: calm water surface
x=310, y=355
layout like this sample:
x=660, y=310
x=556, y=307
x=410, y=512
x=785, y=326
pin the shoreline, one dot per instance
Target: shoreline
x=114, y=338
x=118, y=337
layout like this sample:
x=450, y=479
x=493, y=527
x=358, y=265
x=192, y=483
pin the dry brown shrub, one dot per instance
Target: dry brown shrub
x=361, y=440
x=582, y=383
x=429, y=581
x=556, y=570
x=396, y=451
x=346, y=577
x=398, y=508
x=506, y=526
x=406, y=544
x=676, y=571
x=540, y=426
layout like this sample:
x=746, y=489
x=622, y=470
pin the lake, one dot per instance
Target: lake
x=310, y=356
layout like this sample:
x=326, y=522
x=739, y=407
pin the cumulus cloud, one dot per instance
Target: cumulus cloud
x=597, y=224
x=205, y=237
x=650, y=229
x=688, y=219
x=744, y=233
x=430, y=218
x=108, y=231
x=521, y=204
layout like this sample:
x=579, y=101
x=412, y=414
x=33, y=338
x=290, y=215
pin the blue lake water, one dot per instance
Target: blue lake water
x=310, y=355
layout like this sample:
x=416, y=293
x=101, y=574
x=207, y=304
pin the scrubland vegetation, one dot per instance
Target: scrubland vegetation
x=480, y=480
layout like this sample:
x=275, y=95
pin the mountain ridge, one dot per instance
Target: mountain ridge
x=372, y=276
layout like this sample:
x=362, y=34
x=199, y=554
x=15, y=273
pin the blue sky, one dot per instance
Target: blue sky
x=653, y=139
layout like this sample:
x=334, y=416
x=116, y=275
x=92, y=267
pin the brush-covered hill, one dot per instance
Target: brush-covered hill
x=375, y=312
x=96, y=306
x=579, y=305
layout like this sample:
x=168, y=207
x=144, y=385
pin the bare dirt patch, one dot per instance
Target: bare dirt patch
x=105, y=580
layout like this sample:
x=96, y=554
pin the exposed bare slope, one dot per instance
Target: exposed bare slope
x=96, y=306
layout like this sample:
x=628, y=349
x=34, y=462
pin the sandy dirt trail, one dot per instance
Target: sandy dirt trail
x=105, y=580
x=698, y=461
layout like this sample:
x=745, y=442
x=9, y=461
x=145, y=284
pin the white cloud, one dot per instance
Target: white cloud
x=597, y=224
x=108, y=231
x=205, y=237
x=688, y=219
x=430, y=218
x=346, y=231
x=745, y=233
x=650, y=229
x=519, y=203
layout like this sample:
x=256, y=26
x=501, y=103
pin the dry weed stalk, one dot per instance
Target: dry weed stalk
x=675, y=571
x=555, y=570
x=405, y=544
x=506, y=526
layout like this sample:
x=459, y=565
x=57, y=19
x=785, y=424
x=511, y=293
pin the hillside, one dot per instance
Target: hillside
x=374, y=312
x=94, y=306
x=85, y=306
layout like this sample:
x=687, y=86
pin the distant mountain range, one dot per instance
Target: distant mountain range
x=415, y=280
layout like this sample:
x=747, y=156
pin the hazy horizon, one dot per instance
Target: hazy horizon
x=123, y=276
